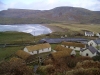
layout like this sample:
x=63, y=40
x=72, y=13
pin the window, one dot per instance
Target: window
x=87, y=54
x=32, y=51
x=91, y=44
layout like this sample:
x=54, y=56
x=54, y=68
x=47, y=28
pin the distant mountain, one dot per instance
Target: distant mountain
x=58, y=14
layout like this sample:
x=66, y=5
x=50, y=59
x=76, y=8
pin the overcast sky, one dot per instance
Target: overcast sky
x=49, y=4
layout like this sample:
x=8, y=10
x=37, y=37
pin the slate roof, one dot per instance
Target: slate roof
x=91, y=49
x=97, y=41
x=59, y=40
x=90, y=33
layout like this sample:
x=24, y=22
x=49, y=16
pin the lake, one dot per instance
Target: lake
x=34, y=29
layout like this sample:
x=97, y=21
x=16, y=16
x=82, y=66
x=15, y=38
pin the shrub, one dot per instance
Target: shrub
x=45, y=70
x=71, y=62
x=88, y=64
x=96, y=58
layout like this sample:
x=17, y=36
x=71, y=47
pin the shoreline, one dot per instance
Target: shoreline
x=53, y=28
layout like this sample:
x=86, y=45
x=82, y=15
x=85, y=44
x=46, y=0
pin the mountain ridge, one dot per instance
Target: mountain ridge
x=58, y=14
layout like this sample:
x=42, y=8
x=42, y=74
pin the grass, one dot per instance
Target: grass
x=53, y=45
x=77, y=53
x=18, y=38
x=79, y=27
x=15, y=37
x=7, y=51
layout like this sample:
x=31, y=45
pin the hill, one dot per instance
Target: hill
x=58, y=14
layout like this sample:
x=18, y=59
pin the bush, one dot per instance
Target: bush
x=96, y=58
x=45, y=70
x=71, y=62
x=15, y=66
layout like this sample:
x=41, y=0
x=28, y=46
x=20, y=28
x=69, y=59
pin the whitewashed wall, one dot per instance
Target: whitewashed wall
x=89, y=34
x=92, y=42
x=45, y=50
x=97, y=34
x=32, y=53
x=77, y=48
x=87, y=51
x=73, y=52
x=36, y=51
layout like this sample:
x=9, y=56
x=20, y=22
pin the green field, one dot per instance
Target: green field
x=15, y=37
x=8, y=51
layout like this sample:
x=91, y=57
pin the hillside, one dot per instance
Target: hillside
x=58, y=14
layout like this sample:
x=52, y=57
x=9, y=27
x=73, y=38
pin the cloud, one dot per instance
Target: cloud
x=2, y=6
x=49, y=4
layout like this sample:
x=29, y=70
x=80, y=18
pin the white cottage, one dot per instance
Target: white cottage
x=36, y=49
x=87, y=33
x=94, y=43
x=90, y=51
x=74, y=45
x=98, y=34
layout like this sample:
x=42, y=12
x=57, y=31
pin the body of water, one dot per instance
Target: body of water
x=34, y=29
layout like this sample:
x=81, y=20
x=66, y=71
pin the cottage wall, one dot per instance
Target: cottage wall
x=67, y=46
x=97, y=34
x=77, y=48
x=32, y=53
x=89, y=34
x=87, y=52
x=45, y=50
x=71, y=47
x=73, y=52
x=92, y=43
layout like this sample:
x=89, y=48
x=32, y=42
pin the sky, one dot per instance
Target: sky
x=49, y=4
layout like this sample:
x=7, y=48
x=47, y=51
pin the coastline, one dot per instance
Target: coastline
x=53, y=28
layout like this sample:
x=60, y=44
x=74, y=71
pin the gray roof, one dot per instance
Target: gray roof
x=59, y=40
x=91, y=49
x=97, y=41
x=90, y=33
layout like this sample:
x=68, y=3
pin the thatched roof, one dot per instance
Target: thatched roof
x=73, y=44
x=60, y=54
x=61, y=48
x=22, y=54
x=38, y=47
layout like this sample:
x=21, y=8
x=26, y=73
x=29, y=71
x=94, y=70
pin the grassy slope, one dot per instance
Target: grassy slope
x=14, y=37
x=6, y=52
